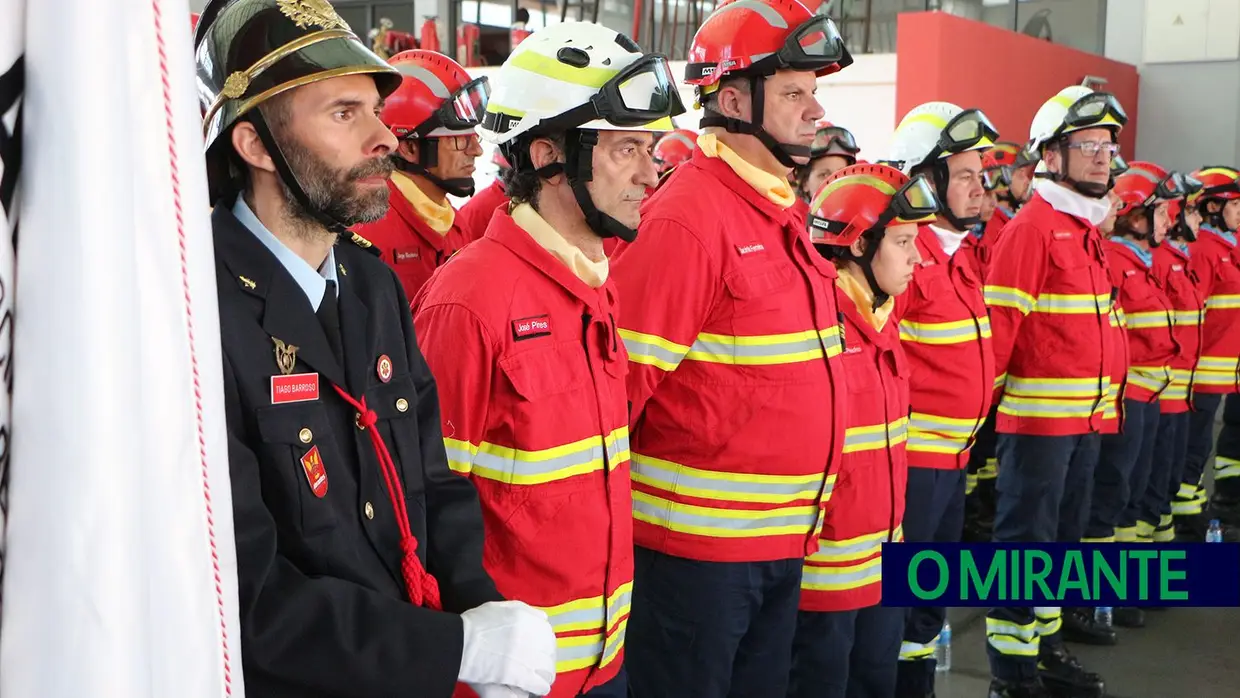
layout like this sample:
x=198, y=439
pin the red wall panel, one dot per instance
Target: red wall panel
x=1005, y=74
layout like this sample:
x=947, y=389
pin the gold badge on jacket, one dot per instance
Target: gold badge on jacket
x=286, y=356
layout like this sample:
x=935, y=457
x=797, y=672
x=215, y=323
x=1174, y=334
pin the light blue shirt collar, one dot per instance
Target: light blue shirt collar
x=312, y=281
x=1182, y=247
x=1229, y=237
x=1146, y=256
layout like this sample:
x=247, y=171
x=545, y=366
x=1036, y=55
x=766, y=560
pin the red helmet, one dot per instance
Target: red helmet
x=1218, y=183
x=193, y=21
x=1146, y=184
x=860, y=198
x=674, y=148
x=435, y=98
x=1003, y=154
x=759, y=37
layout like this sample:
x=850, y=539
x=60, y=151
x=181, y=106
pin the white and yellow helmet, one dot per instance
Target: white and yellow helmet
x=1075, y=108
x=579, y=75
x=936, y=130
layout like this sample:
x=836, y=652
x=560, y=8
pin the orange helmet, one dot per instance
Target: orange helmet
x=674, y=148
x=863, y=198
x=754, y=39
x=436, y=97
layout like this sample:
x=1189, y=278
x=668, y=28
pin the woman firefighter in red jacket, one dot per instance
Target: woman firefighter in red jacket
x=864, y=219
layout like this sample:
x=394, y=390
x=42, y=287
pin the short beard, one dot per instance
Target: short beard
x=332, y=194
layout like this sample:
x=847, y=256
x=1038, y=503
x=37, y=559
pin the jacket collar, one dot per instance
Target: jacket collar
x=402, y=207
x=720, y=170
x=505, y=231
x=884, y=340
x=286, y=315
x=1065, y=200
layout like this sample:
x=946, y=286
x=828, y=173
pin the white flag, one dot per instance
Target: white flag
x=120, y=566
x=12, y=28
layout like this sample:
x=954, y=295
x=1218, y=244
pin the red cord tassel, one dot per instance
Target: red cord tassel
x=423, y=589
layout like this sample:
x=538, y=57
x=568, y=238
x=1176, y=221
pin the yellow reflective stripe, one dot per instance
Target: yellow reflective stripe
x=1223, y=302
x=1011, y=639
x=970, y=483
x=1054, y=387
x=547, y=67
x=653, y=350
x=1000, y=380
x=1149, y=320
x=1103, y=539
x=1218, y=363
x=1008, y=297
x=1073, y=304
x=575, y=652
x=915, y=651
x=1187, y=317
x=517, y=467
x=734, y=487
x=877, y=436
x=766, y=350
x=944, y=332
x=1029, y=407
x=857, y=548
x=1176, y=390
x=719, y=522
x=844, y=577
x=935, y=434
x=990, y=470
x=1153, y=378
x=1048, y=619
x=498, y=108
x=1226, y=468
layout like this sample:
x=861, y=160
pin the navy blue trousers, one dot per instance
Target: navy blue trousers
x=846, y=654
x=1122, y=473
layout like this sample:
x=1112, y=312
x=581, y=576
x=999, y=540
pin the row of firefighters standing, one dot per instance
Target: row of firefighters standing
x=690, y=444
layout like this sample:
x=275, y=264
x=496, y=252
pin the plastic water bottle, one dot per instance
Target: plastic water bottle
x=1215, y=534
x=943, y=652
x=1103, y=616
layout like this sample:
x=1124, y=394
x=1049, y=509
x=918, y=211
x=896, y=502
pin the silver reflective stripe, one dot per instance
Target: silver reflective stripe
x=679, y=517
x=618, y=603
x=918, y=422
x=825, y=575
x=586, y=651
x=1068, y=408
x=769, y=13
x=829, y=549
x=864, y=438
x=1007, y=297
x=637, y=347
x=541, y=467
x=1006, y=628
x=457, y=454
x=617, y=447
x=1053, y=304
x=426, y=77
x=714, y=348
x=922, y=334
x=682, y=480
x=1012, y=647
x=583, y=617
x=614, y=643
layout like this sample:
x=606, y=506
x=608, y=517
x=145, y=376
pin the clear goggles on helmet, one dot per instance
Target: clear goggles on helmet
x=967, y=130
x=1093, y=109
x=1192, y=185
x=814, y=45
x=1118, y=165
x=641, y=93
x=1173, y=186
x=462, y=111
x=833, y=136
x=913, y=202
x=993, y=178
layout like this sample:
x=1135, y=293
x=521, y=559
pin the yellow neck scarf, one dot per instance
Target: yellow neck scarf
x=593, y=274
x=437, y=216
x=859, y=291
x=772, y=187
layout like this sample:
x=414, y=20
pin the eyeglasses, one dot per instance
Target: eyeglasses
x=1091, y=148
x=461, y=143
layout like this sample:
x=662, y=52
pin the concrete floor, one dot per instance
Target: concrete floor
x=1181, y=653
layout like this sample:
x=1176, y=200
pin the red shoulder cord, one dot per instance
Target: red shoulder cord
x=423, y=589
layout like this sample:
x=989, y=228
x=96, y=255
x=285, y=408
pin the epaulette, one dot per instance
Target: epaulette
x=364, y=244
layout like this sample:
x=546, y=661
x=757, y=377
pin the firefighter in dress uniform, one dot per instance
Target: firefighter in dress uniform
x=359, y=552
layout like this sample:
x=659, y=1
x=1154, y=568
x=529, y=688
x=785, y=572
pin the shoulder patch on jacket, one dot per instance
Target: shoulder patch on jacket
x=364, y=243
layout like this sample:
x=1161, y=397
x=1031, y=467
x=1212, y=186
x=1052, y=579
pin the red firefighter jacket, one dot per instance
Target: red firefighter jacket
x=1050, y=301
x=946, y=334
x=867, y=506
x=409, y=246
x=1113, y=414
x=1171, y=266
x=991, y=235
x=1214, y=261
x=732, y=329
x=1148, y=315
x=530, y=374
x=474, y=216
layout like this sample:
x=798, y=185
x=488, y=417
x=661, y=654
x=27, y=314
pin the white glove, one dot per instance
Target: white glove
x=510, y=644
x=491, y=690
